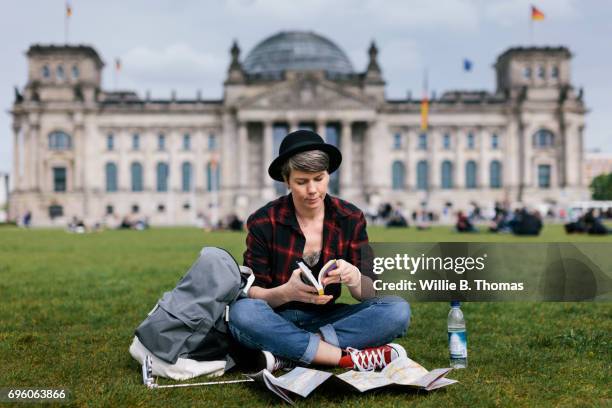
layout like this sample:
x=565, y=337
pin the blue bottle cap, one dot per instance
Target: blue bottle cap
x=455, y=303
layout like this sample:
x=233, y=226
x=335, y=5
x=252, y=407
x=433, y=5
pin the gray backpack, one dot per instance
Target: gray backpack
x=189, y=321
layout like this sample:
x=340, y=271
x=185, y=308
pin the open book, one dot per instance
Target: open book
x=402, y=372
x=309, y=279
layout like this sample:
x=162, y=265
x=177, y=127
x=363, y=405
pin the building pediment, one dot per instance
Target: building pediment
x=307, y=93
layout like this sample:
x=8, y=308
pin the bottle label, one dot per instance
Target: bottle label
x=457, y=344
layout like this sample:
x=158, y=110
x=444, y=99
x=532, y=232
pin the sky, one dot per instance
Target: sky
x=183, y=45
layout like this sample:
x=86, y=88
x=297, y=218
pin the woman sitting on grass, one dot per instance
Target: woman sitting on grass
x=288, y=319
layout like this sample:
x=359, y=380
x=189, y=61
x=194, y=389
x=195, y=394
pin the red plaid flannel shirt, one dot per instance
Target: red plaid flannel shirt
x=275, y=241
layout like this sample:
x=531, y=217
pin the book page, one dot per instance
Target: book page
x=404, y=371
x=326, y=269
x=302, y=381
x=364, y=380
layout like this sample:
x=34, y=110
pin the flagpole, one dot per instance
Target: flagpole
x=425, y=128
x=66, y=17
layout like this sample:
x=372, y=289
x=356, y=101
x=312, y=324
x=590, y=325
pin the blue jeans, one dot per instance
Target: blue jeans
x=291, y=334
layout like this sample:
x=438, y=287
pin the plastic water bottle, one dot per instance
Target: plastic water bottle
x=457, y=337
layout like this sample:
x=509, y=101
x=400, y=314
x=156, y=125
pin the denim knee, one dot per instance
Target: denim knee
x=242, y=314
x=398, y=316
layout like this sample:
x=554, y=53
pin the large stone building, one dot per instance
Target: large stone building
x=80, y=150
x=595, y=164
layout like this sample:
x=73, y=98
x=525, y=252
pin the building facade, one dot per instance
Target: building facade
x=82, y=151
x=595, y=164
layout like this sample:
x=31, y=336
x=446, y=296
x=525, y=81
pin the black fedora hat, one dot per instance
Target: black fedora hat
x=302, y=141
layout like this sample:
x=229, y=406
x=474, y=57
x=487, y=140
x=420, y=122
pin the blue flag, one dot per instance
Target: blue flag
x=467, y=65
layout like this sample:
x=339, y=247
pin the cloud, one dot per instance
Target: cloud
x=176, y=63
x=393, y=14
x=177, y=67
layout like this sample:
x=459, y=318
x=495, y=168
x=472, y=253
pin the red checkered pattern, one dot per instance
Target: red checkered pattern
x=275, y=241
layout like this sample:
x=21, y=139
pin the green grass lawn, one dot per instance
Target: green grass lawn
x=69, y=305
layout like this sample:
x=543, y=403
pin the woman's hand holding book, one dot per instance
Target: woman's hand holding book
x=296, y=290
x=345, y=273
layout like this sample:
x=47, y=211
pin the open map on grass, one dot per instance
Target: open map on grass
x=402, y=372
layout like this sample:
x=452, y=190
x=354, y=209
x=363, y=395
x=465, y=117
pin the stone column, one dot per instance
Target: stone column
x=321, y=128
x=268, y=155
x=174, y=139
x=346, y=145
x=243, y=155
x=149, y=145
x=16, y=158
x=510, y=146
x=482, y=170
x=27, y=149
x=79, y=167
x=293, y=124
x=527, y=162
x=228, y=153
x=459, y=166
x=410, y=163
x=434, y=160
x=123, y=166
x=571, y=156
x=36, y=164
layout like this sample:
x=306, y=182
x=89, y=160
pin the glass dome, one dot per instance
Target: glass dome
x=298, y=51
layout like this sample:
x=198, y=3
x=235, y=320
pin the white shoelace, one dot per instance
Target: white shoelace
x=371, y=359
x=280, y=363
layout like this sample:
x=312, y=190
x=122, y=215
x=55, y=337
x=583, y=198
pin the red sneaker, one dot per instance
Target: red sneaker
x=371, y=358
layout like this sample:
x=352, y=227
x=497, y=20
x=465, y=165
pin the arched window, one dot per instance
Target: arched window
x=213, y=176
x=186, y=176
x=75, y=72
x=398, y=175
x=495, y=174
x=162, y=176
x=110, y=170
x=447, y=174
x=136, y=173
x=470, y=174
x=422, y=175
x=60, y=141
x=59, y=72
x=46, y=73
x=543, y=138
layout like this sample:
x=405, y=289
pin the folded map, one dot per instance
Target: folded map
x=402, y=372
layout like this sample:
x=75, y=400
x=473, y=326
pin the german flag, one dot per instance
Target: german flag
x=536, y=15
x=424, y=112
x=68, y=10
x=117, y=64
